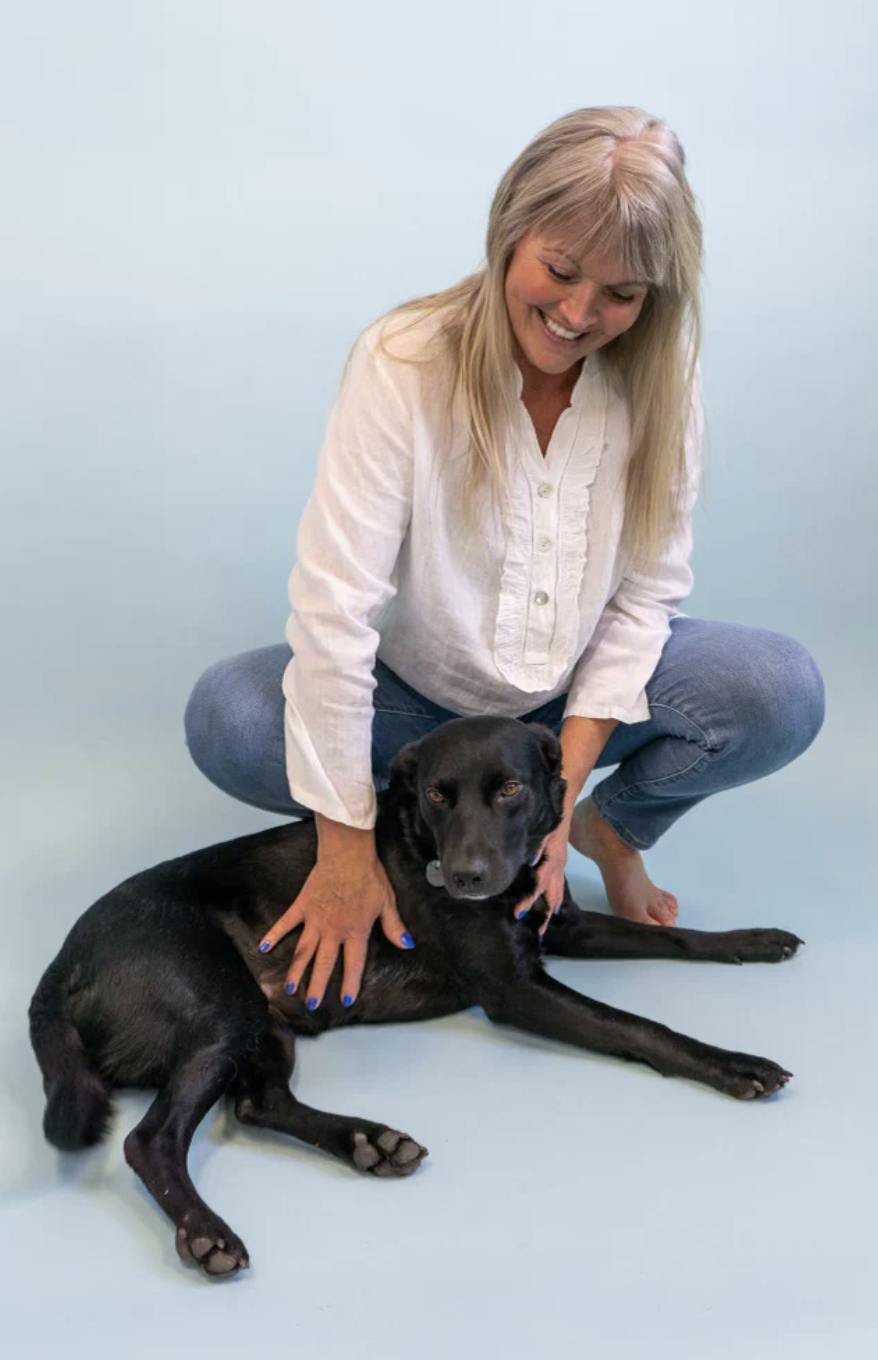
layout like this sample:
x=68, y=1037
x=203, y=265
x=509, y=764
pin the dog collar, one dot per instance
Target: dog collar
x=436, y=878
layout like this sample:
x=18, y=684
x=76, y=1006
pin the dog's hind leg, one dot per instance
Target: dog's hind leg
x=158, y=1147
x=265, y=1099
x=592, y=935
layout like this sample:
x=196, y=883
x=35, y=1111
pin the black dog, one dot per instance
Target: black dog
x=161, y=982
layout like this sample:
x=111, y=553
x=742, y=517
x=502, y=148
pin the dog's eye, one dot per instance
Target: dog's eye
x=510, y=789
x=435, y=796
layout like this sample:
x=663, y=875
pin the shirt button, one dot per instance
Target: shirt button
x=541, y=597
x=544, y=489
x=544, y=544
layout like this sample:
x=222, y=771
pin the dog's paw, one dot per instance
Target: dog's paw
x=204, y=1240
x=385, y=1152
x=746, y=946
x=764, y=946
x=748, y=1078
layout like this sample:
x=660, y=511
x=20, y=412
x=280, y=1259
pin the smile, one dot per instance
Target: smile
x=561, y=335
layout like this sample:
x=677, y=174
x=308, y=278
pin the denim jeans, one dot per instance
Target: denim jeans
x=728, y=704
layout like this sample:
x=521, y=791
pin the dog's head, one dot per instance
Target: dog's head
x=484, y=792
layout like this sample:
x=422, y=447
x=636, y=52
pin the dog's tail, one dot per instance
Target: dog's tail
x=78, y=1107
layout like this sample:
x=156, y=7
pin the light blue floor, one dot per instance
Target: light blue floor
x=569, y=1204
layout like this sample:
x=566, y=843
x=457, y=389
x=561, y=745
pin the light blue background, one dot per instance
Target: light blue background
x=204, y=203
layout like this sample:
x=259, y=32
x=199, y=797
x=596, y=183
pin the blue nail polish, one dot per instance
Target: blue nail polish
x=290, y=988
x=407, y=940
x=312, y=1003
x=347, y=1001
x=520, y=915
x=534, y=859
x=266, y=944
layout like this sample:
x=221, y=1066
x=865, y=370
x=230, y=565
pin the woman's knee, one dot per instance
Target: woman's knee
x=205, y=714
x=778, y=695
x=233, y=720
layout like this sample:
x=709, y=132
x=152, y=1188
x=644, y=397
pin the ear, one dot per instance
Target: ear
x=404, y=767
x=549, y=747
x=551, y=755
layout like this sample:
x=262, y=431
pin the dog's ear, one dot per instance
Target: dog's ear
x=549, y=747
x=404, y=767
x=551, y=754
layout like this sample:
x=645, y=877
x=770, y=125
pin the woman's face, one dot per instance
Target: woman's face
x=588, y=296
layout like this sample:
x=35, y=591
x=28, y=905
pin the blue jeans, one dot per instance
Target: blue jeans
x=728, y=704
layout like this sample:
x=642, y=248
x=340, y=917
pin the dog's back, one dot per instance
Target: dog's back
x=108, y=1009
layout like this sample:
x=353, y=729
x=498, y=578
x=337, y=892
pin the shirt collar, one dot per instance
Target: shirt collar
x=577, y=396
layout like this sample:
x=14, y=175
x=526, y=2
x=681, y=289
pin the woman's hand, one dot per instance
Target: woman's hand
x=342, y=897
x=550, y=876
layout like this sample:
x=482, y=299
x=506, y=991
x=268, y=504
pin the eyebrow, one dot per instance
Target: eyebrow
x=629, y=283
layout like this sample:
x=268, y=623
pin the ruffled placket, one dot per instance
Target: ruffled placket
x=537, y=624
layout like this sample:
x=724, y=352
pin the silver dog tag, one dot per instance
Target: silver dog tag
x=435, y=877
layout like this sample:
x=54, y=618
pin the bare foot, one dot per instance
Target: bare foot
x=630, y=892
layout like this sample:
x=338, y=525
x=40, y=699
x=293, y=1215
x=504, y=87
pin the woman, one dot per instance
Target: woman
x=501, y=523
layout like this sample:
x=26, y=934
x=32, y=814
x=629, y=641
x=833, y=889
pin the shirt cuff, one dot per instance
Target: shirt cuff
x=586, y=705
x=351, y=802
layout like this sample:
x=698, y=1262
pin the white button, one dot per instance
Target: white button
x=544, y=544
x=541, y=597
x=544, y=489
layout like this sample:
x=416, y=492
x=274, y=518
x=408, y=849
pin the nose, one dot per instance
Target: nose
x=470, y=877
x=581, y=307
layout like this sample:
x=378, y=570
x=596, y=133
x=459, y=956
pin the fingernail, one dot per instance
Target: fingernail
x=312, y=1003
x=534, y=858
x=347, y=1001
x=558, y=908
x=290, y=988
x=407, y=940
x=520, y=915
x=266, y=944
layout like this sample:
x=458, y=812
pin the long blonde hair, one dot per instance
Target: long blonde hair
x=609, y=180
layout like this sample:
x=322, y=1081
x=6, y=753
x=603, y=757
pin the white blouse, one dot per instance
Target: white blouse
x=385, y=567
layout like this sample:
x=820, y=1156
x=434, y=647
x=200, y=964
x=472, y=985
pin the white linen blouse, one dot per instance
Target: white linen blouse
x=385, y=567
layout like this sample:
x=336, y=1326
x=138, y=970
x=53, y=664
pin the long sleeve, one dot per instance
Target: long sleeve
x=611, y=675
x=348, y=542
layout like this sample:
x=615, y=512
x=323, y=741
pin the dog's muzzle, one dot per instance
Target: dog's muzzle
x=436, y=877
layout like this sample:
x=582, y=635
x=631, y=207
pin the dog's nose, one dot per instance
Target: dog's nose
x=471, y=877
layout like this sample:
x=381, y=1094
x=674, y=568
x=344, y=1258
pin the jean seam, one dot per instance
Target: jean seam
x=651, y=783
x=705, y=736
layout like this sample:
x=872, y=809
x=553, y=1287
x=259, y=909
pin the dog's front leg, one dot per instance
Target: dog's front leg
x=594, y=935
x=542, y=1005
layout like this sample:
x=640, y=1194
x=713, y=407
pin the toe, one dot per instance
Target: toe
x=388, y=1141
x=212, y=1246
x=365, y=1154
x=221, y=1263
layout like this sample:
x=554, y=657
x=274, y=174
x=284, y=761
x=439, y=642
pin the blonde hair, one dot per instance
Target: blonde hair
x=608, y=180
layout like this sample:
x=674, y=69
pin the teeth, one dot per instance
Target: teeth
x=559, y=330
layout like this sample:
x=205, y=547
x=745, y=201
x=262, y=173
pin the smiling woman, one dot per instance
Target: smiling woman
x=501, y=525
x=574, y=313
x=558, y=320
